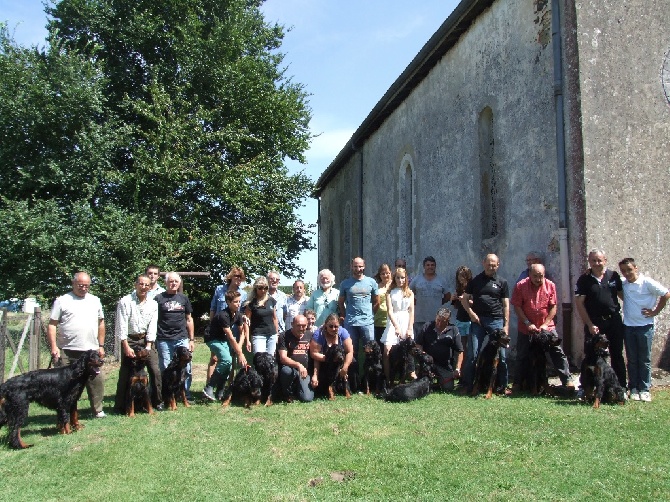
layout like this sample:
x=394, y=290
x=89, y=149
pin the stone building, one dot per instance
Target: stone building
x=521, y=125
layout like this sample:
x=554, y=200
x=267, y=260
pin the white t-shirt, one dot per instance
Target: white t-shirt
x=638, y=295
x=77, y=321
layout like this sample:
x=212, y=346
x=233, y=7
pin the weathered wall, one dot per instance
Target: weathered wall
x=504, y=62
x=626, y=136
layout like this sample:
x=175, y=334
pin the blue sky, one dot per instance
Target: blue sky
x=347, y=53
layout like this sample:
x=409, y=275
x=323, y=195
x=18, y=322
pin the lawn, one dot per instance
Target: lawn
x=444, y=447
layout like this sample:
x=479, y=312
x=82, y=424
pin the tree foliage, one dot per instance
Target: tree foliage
x=164, y=122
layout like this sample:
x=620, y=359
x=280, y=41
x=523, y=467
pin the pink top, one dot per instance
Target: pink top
x=535, y=302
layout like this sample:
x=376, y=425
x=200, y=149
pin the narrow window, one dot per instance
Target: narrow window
x=489, y=199
x=406, y=208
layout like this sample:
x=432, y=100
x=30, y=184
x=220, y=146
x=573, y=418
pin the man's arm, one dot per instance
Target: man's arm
x=101, y=337
x=190, y=331
x=465, y=303
x=584, y=316
x=659, y=306
x=340, y=308
x=51, y=338
x=550, y=316
x=375, y=303
x=236, y=347
x=285, y=360
x=505, y=302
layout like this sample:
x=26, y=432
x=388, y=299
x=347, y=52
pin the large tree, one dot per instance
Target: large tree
x=198, y=117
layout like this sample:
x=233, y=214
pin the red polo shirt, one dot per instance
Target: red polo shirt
x=535, y=302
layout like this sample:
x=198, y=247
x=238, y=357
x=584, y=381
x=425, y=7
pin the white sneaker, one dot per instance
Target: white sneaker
x=645, y=396
x=100, y=414
x=634, y=395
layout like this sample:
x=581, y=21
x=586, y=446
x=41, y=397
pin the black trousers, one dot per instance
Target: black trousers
x=152, y=369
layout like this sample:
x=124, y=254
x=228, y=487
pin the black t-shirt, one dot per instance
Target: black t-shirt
x=224, y=319
x=441, y=346
x=172, y=312
x=262, y=317
x=487, y=295
x=296, y=349
x=600, y=297
x=461, y=314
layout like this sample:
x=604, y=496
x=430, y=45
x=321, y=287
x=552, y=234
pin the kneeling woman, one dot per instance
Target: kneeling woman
x=330, y=334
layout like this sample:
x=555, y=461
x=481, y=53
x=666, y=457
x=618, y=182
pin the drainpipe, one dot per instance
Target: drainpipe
x=566, y=299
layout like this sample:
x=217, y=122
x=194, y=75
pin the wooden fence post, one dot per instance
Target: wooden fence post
x=35, y=335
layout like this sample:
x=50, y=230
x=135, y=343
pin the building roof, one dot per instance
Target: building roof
x=440, y=43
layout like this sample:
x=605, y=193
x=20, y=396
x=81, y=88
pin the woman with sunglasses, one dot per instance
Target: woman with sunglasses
x=260, y=309
x=329, y=334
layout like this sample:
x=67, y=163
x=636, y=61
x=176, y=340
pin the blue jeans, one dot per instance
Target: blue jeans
x=264, y=343
x=166, y=349
x=224, y=360
x=294, y=386
x=479, y=332
x=638, y=352
x=366, y=333
x=463, y=328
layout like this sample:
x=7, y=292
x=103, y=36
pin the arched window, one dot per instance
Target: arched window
x=489, y=177
x=406, y=208
x=346, y=241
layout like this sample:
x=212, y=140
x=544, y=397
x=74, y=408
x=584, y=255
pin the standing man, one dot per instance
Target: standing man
x=430, y=293
x=402, y=263
x=532, y=258
x=643, y=300
x=279, y=297
x=80, y=322
x=535, y=303
x=294, y=371
x=135, y=328
x=597, y=302
x=175, y=323
x=153, y=272
x=488, y=311
x=358, y=301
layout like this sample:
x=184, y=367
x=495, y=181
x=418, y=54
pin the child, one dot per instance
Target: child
x=221, y=339
x=643, y=299
x=400, y=305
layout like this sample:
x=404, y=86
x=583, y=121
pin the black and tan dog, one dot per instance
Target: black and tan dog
x=598, y=380
x=535, y=378
x=266, y=366
x=55, y=388
x=246, y=387
x=373, y=371
x=411, y=391
x=174, y=378
x=487, y=362
x=138, y=391
x=329, y=373
x=401, y=360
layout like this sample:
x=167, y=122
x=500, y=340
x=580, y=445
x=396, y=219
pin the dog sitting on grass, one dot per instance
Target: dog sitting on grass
x=598, y=379
x=138, y=383
x=266, y=366
x=246, y=387
x=373, y=371
x=330, y=380
x=487, y=362
x=174, y=378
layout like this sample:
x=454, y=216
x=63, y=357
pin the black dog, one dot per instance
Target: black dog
x=535, y=375
x=401, y=360
x=425, y=363
x=487, y=362
x=266, y=366
x=373, y=371
x=174, y=378
x=409, y=391
x=56, y=388
x=329, y=374
x=246, y=387
x=138, y=383
x=598, y=379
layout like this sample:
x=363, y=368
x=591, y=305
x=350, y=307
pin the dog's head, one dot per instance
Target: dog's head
x=499, y=337
x=372, y=349
x=91, y=362
x=182, y=356
x=407, y=345
x=546, y=339
x=266, y=365
x=335, y=354
x=598, y=345
x=141, y=355
x=253, y=384
x=426, y=363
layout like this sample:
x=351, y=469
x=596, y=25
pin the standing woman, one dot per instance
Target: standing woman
x=323, y=300
x=384, y=280
x=260, y=309
x=400, y=305
x=463, y=277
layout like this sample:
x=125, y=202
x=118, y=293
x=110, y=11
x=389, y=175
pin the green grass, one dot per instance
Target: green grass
x=444, y=447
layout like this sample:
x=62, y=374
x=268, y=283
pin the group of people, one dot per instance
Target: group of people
x=389, y=307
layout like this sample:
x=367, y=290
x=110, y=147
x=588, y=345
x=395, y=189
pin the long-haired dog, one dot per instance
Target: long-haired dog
x=535, y=377
x=174, y=378
x=266, y=366
x=487, y=362
x=55, y=388
x=373, y=371
x=411, y=391
x=247, y=387
x=138, y=392
x=329, y=375
x=401, y=360
x=425, y=363
x=598, y=379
